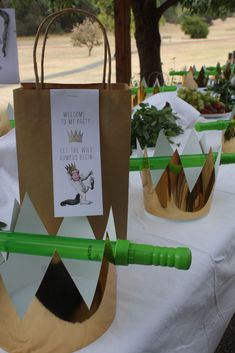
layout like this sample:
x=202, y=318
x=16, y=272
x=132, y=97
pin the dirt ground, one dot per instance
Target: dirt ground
x=65, y=63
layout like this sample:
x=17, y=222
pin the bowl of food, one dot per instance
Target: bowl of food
x=215, y=110
x=209, y=105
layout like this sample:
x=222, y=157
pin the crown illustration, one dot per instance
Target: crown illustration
x=70, y=168
x=179, y=192
x=75, y=136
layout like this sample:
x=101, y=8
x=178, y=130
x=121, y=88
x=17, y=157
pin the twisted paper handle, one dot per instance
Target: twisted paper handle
x=49, y=20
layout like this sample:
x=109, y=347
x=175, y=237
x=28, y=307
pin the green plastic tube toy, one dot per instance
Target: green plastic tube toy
x=149, y=90
x=134, y=91
x=214, y=125
x=178, y=73
x=188, y=161
x=12, y=123
x=120, y=252
x=167, y=88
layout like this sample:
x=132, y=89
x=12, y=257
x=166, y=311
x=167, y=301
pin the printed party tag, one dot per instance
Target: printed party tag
x=9, y=68
x=77, y=183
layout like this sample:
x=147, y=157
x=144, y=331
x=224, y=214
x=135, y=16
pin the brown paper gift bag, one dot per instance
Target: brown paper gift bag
x=34, y=153
x=33, y=138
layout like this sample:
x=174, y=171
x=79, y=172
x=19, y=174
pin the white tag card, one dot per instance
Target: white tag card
x=77, y=183
x=9, y=67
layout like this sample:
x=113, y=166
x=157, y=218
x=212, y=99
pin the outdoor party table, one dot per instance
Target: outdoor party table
x=163, y=309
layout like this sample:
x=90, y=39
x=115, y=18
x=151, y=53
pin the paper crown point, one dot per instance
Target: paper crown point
x=75, y=136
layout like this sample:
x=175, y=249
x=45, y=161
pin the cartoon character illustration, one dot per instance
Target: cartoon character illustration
x=6, y=19
x=81, y=183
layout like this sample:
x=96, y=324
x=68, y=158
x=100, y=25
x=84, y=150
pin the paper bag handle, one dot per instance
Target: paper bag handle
x=52, y=18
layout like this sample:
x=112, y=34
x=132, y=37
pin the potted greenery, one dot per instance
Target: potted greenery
x=148, y=121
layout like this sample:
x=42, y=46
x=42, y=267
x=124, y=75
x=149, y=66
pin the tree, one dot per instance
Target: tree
x=147, y=15
x=148, y=40
x=215, y=8
x=102, y=8
x=56, y=5
x=67, y=22
x=195, y=26
x=105, y=13
x=87, y=33
x=28, y=14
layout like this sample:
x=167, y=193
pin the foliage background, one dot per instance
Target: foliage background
x=29, y=13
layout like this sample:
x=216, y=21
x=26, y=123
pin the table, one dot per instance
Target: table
x=163, y=310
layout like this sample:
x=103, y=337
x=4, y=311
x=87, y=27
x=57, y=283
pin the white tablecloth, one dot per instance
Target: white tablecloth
x=163, y=310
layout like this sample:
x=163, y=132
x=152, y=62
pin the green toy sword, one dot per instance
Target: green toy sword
x=214, y=125
x=188, y=161
x=227, y=125
x=120, y=252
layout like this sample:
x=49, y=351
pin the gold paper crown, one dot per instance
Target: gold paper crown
x=75, y=136
x=70, y=168
x=171, y=196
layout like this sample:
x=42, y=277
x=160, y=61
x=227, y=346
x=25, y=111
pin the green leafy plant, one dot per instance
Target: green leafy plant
x=195, y=26
x=148, y=121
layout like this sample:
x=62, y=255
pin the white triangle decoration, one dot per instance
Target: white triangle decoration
x=22, y=274
x=28, y=220
x=2, y=258
x=139, y=151
x=217, y=162
x=10, y=112
x=15, y=215
x=192, y=146
x=143, y=82
x=162, y=148
x=110, y=228
x=203, y=144
x=15, y=212
x=85, y=274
